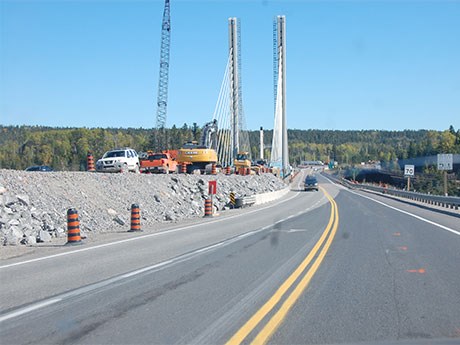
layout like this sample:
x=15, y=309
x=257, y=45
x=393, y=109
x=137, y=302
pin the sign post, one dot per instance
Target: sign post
x=445, y=163
x=409, y=170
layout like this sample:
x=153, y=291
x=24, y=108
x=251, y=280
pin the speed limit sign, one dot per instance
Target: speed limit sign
x=409, y=170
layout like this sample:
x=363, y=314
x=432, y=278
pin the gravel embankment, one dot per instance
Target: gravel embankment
x=33, y=205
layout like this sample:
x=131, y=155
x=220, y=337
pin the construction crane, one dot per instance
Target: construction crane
x=162, y=101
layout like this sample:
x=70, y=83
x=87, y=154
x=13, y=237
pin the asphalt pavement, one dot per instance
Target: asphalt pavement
x=344, y=271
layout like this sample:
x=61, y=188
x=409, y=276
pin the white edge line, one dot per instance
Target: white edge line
x=160, y=265
x=402, y=211
x=138, y=238
x=410, y=214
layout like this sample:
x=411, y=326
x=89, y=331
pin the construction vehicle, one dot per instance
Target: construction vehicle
x=242, y=161
x=197, y=156
x=158, y=162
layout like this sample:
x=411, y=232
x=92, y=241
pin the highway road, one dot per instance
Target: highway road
x=328, y=267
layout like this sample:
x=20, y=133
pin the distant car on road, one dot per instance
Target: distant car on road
x=39, y=168
x=119, y=160
x=311, y=183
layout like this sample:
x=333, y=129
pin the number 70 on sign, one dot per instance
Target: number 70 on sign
x=409, y=170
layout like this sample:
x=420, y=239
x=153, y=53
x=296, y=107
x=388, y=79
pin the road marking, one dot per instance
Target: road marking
x=277, y=319
x=399, y=210
x=153, y=268
x=409, y=214
x=420, y=270
x=165, y=232
x=296, y=230
x=280, y=315
x=28, y=309
x=402, y=248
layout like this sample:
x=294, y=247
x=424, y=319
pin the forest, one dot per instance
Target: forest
x=66, y=148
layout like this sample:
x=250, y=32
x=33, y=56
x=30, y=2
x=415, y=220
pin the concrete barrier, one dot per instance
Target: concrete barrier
x=270, y=196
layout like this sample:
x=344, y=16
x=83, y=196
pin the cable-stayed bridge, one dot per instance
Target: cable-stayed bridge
x=229, y=110
x=229, y=117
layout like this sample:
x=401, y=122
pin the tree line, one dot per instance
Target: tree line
x=66, y=148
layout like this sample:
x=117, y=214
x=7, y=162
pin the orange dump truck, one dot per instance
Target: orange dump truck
x=159, y=162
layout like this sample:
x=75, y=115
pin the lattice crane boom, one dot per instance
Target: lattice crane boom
x=162, y=101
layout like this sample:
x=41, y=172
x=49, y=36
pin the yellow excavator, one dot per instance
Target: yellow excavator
x=242, y=160
x=198, y=155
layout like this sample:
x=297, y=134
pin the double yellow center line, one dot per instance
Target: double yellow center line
x=322, y=246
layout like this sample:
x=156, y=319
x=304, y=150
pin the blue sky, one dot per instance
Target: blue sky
x=350, y=64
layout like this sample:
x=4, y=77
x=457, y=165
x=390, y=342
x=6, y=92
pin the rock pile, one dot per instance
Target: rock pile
x=33, y=205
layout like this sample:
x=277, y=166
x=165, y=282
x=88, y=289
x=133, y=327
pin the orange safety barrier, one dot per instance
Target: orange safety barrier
x=183, y=168
x=208, y=208
x=90, y=162
x=213, y=169
x=241, y=171
x=135, y=218
x=73, y=227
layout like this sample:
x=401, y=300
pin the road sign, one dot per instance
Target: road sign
x=445, y=161
x=212, y=187
x=409, y=170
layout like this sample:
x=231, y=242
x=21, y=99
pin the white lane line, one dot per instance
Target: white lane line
x=153, y=268
x=409, y=214
x=334, y=183
x=28, y=309
x=145, y=269
x=402, y=211
x=140, y=237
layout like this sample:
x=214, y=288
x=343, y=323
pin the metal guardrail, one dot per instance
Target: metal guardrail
x=249, y=200
x=438, y=200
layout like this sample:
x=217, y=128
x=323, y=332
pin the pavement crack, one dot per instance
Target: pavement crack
x=83, y=328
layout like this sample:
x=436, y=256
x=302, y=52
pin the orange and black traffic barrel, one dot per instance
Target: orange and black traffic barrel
x=213, y=169
x=228, y=170
x=90, y=162
x=135, y=218
x=183, y=168
x=208, y=208
x=73, y=227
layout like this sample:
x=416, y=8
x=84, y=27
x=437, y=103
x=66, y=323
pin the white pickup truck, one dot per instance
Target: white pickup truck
x=119, y=160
